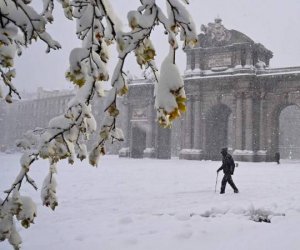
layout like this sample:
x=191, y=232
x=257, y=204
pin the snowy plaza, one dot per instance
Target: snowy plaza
x=162, y=204
x=125, y=135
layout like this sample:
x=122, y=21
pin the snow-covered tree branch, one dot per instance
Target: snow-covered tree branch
x=20, y=24
x=66, y=135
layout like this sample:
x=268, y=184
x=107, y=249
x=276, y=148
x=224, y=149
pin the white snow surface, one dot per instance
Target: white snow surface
x=161, y=204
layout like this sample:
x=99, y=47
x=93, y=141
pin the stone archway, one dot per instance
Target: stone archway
x=138, y=143
x=216, y=130
x=289, y=141
x=234, y=100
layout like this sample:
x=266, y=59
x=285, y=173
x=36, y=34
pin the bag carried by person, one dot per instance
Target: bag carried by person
x=232, y=165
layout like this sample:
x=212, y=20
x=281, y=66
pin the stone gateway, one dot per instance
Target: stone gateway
x=234, y=101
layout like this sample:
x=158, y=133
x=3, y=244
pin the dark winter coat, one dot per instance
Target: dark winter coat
x=227, y=165
x=277, y=157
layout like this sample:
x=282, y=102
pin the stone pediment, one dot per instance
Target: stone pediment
x=220, y=49
x=216, y=35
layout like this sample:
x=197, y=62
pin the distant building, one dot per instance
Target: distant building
x=36, y=111
x=24, y=115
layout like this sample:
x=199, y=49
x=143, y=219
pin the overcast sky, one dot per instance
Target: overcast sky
x=274, y=23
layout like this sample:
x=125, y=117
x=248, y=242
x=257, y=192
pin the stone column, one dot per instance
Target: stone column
x=231, y=129
x=124, y=151
x=149, y=152
x=239, y=122
x=188, y=128
x=249, y=121
x=182, y=135
x=237, y=59
x=188, y=69
x=149, y=134
x=197, y=130
x=203, y=131
x=126, y=112
x=249, y=58
x=197, y=124
x=186, y=135
x=197, y=69
x=262, y=128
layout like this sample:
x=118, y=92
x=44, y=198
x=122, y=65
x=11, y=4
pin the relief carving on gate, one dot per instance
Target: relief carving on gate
x=139, y=114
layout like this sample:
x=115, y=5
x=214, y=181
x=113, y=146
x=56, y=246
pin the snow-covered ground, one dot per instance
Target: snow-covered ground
x=162, y=205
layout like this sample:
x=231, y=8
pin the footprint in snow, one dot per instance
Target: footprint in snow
x=125, y=221
x=184, y=235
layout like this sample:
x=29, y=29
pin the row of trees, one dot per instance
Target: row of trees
x=66, y=135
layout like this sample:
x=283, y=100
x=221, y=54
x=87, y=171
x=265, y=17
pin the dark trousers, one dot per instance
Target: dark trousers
x=227, y=178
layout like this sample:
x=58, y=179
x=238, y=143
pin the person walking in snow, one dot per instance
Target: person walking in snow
x=228, y=166
x=277, y=157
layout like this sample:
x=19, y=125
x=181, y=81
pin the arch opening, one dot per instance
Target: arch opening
x=217, y=131
x=289, y=131
x=138, y=144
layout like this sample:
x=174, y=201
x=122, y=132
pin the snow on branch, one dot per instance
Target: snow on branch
x=66, y=135
x=20, y=24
